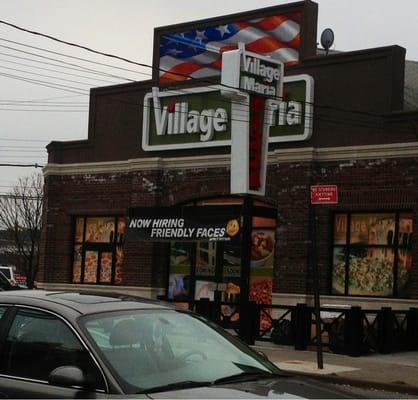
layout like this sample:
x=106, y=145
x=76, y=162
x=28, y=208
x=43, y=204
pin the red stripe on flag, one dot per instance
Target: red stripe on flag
x=265, y=45
x=271, y=23
x=180, y=72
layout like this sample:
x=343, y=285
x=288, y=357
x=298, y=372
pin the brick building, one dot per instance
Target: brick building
x=363, y=125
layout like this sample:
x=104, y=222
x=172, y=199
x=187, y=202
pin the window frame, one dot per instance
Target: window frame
x=100, y=247
x=396, y=246
x=10, y=315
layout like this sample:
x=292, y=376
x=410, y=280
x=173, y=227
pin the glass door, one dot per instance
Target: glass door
x=206, y=271
x=98, y=264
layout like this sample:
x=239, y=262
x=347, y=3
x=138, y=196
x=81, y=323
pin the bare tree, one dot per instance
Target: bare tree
x=20, y=215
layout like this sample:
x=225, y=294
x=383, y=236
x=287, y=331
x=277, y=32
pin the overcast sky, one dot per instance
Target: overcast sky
x=125, y=28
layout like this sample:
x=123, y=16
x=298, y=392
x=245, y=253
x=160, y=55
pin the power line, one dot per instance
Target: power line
x=60, y=72
x=63, y=62
x=365, y=113
x=48, y=76
x=42, y=103
x=37, y=110
x=35, y=165
x=57, y=86
x=27, y=140
x=73, y=57
x=74, y=44
x=79, y=68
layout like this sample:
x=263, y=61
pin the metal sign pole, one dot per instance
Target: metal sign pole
x=314, y=269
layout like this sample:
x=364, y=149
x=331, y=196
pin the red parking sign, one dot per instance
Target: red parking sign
x=324, y=194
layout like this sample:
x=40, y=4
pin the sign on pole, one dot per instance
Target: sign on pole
x=324, y=194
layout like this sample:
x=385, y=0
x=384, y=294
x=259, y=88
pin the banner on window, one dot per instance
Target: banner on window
x=189, y=223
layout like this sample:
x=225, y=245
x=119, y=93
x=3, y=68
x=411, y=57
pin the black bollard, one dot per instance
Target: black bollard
x=412, y=329
x=249, y=322
x=354, y=332
x=301, y=325
x=385, y=330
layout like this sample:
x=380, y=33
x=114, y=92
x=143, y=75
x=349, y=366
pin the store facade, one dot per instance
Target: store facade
x=179, y=153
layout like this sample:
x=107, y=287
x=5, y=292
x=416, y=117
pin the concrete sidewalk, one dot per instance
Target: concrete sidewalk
x=392, y=372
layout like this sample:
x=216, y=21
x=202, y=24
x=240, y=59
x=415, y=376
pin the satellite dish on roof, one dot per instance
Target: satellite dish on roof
x=327, y=39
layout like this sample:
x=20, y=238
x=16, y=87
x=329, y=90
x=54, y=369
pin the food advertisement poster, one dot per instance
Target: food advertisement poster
x=261, y=277
x=100, y=230
x=373, y=256
x=372, y=229
x=205, y=290
x=371, y=272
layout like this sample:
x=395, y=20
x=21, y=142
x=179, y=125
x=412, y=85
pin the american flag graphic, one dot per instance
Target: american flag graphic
x=197, y=53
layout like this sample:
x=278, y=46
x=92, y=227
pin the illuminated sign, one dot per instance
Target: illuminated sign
x=196, y=51
x=188, y=118
x=250, y=72
x=290, y=118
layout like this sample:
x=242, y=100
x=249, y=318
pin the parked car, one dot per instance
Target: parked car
x=68, y=345
x=7, y=284
x=8, y=272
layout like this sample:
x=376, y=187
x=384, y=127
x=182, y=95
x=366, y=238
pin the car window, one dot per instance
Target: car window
x=7, y=272
x=38, y=343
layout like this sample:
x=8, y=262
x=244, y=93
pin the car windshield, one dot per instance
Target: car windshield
x=149, y=349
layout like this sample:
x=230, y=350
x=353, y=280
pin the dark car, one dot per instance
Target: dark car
x=67, y=345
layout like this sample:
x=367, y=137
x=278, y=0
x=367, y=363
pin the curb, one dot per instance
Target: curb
x=363, y=383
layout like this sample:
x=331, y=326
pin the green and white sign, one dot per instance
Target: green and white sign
x=187, y=118
x=290, y=118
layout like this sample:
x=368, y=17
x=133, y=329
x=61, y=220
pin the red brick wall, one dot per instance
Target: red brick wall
x=363, y=185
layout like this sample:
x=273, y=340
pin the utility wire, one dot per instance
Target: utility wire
x=78, y=68
x=48, y=76
x=63, y=62
x=152, y=67
x=66, y=88
x=74, y=44
x=57, y=71
x=73, y=57
x=36, y=165
x=136, y=63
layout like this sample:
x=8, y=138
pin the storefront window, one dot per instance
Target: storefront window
x=180, y=264
x=371, y=254
x=98, y=250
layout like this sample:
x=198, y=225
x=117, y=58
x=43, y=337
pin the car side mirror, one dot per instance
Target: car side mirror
x=68, y=376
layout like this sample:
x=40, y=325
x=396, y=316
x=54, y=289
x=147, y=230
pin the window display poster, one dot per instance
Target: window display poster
x=205, y=290
x=261, y=275
x=179, y=278
x=377, y=256
x=371, y=272
x=178, y=287
x=262, y=248
x=79, y=230
x=77, y=259
x=340, y=229
x=338, y=270
x=372, y=229
x=100, y=230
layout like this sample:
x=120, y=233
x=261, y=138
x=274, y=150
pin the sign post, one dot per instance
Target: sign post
x=249, y=78
x=320, y=194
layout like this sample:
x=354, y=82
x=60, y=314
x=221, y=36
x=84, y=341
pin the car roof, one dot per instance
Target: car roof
x=73, y=304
